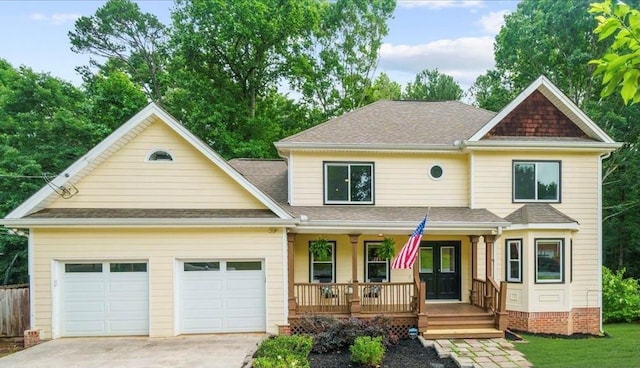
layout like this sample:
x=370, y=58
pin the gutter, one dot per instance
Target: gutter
x=526, y=145
x=148, y=222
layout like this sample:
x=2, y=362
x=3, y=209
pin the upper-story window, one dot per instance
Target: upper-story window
x=536, y=181
x=160, y=155
x=348, y=183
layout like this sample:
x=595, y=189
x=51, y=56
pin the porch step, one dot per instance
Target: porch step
x=473, y=333
x=460, y=324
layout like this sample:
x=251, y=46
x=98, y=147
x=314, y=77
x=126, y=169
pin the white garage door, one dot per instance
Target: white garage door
x=222, y=296
x=105, y=299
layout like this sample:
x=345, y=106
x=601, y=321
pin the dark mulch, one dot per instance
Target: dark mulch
x=406, y=353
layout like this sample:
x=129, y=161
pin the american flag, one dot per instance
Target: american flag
x=407, y=256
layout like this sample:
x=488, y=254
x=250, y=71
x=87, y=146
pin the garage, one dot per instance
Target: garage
x=222, y=296
x=105, y=299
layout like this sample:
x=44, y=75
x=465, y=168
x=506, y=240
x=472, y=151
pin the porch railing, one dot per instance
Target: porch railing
x=378, y=297
x=491, y=297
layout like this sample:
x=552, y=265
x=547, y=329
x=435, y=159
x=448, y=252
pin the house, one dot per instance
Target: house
x=152, y=233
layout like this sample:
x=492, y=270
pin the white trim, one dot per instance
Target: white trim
x=599, y=236
x=285, y=272
x=145, y=115
x=32, y=284
x=56, y=298
x=573, y=226
x=507, y=266
x=494, y=145
x=290, y=180
x=177, y=300
x=149, y=222
x=472, y=172
x=348, y=165
x=546, y=87
x=441, y=175
x=365, y=147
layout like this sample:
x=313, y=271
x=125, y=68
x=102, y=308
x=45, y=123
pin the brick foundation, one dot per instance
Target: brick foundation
x=31, y=338
x=579, y=320
x=284, y=330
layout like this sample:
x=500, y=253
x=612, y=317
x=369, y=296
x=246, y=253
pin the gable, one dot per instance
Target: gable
x=128, y=180
x=536, y=116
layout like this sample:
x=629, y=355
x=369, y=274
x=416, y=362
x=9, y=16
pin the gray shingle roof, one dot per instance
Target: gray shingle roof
x=399, y=122
x=538, y=213
x=114, y=213
x=270, y=176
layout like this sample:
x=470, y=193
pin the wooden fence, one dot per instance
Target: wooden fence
x=14, y=310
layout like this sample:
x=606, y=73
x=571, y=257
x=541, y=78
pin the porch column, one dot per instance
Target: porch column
x=488, y=241
x=290, y=257
x=473, y=297
x=355, y=297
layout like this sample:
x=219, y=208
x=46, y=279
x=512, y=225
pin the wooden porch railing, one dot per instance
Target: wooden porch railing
x=377, y=297
x=491, y=297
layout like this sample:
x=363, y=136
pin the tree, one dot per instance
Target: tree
x=620, y=65
x=491, y=91
x=334, y=68
x=43, y=129
x=431, y=85
x=383, y=88
x=133, y=40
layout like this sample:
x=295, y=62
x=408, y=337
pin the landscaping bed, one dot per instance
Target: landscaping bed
x=406, y=353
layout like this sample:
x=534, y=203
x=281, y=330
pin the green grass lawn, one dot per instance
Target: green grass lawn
x=620, y=349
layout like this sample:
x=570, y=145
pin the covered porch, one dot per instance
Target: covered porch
x=477, y=311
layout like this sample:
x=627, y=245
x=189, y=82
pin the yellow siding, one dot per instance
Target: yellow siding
x=400, y=179
x=127, y=180
x=343, y=258
x=579, y=194
x=161, y=247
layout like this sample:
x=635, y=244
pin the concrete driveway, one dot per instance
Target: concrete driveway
x=211, y=351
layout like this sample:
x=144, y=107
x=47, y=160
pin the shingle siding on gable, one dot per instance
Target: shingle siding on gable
x=536, y=117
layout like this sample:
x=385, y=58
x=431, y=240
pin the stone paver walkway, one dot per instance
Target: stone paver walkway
x=480, y=353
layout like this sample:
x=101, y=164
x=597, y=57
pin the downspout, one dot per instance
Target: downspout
x=599, y=231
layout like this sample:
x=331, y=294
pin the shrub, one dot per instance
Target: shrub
x=283, y=352
x=367, y=350
x=330, y=333
x=620, y=297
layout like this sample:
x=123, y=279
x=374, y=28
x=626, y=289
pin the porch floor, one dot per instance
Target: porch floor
x=459, y=320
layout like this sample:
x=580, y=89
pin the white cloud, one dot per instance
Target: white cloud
x=440, y=4
x=55, y=18
x=462, y=58
x=492, y=22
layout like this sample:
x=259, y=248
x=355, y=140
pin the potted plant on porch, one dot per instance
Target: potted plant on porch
x=320, y=248
x=387, y=249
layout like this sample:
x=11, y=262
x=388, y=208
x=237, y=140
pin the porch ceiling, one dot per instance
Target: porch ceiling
x=390, y=220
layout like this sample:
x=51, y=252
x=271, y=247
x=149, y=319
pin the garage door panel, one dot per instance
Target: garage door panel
x=104, y=303
x=229, y=299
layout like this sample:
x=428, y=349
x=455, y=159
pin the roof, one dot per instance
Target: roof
x=270, y=176
x=121, y=136
x=398, y=122
x=538, y=213
x=69, y=213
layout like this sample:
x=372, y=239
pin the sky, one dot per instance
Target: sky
x=454, y=36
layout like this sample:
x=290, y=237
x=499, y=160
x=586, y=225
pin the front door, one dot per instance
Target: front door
x=440, y=268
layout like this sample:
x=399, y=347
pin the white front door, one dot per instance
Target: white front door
x=105, y=299
x=222, y=296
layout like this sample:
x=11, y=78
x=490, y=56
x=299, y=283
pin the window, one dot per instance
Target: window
x=202, y=266
x=128, y=267
x=346, y=183
x=536, y=181
x=376, y=268
x=160, y=155
x=82, y=267
x=514, y=260
x=436, y=172
x=323, y=269
x=244, y=266
x=549, y=261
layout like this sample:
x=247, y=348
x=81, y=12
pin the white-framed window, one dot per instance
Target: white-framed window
x=376, y=268
x=159, y=155
x=536, y=181
x=514, y=260
x=348, y=183
x=436, y=172
x=323, y=269
x=549, y=260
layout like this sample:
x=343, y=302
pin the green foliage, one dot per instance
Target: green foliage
x=620, y=297
x=383, y=88
x=387, y=248
x=620, y=64
x=283, y=352
x=491, y=91
x=431, y=85
x=132, y=40
x=320, y=248
x=330, y=333
x=367, y=350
